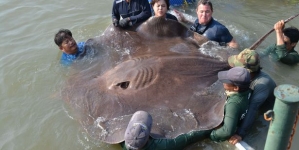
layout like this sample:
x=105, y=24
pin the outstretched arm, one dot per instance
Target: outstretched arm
x=180, y=142
x=182, y=18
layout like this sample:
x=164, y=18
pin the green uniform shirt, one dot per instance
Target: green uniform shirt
x=280, y=51
x=234, y=110
x=177, y=143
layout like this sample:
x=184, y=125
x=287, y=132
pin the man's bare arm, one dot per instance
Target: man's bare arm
x=233, y=44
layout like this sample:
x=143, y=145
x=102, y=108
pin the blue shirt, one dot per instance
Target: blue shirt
x=137, y=10
x=67, y=59
x=214, y=31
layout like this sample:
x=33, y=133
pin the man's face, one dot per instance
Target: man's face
x=288, y=44
x=204, y=14
x=160, y=8
x=69, y=45
x=230, y=87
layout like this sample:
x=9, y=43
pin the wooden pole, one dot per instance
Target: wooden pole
x=259, y=41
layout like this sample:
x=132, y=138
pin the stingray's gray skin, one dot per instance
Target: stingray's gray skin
x=158, y=69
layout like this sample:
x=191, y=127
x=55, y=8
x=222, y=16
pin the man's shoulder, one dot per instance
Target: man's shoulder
x=262, y=82
x=262, y=76
x=195, y=22
x=217, y=24
x=244, y=94
x=272, y=46
x=220, y=32
x=293, y=52
x=80, y=47
x=81, y=44
x=118, y=1
x=140, y=2
x=64, y=55
x=236, y=102
x=239, y=96
x=66, y=59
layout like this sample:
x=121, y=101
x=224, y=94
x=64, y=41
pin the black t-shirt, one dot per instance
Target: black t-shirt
x=137, y=10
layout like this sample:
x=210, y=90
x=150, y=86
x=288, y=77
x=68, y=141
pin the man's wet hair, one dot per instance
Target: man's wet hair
x=155, y=1
x=292, y=33
x=61, y=35
x=205, y=2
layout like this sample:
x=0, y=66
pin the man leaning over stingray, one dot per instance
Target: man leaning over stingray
x=137, y=136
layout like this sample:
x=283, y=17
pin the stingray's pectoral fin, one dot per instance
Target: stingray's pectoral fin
x=124, y=85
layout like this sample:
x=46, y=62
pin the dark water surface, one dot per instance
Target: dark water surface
x=34, y=117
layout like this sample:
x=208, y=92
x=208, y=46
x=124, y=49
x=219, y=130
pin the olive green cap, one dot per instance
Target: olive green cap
x=248, y=59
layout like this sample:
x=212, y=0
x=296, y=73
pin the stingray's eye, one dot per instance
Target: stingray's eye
x=123, y=85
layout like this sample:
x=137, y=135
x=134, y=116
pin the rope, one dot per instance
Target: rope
x=293, y=131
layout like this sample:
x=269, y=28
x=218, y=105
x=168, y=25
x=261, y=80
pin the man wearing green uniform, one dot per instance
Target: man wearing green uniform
x=137, y=136
x=236, y=83
x=286, y=40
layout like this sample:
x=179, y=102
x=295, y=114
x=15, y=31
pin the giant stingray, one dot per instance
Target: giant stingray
x=157, y=68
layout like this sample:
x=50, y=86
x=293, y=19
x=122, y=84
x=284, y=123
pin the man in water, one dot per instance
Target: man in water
x=208, y=27
x=262, y=86
x=286, y=40
x=70, y=49
x=236, y=84
x=137, y=136
x=126, y=13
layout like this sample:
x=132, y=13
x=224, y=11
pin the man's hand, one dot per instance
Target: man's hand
x=233, y=44
x=115, y=22
x=124, y=22
x=180, y=17
x=235, y=139
x=279, y=34
x=279, y=25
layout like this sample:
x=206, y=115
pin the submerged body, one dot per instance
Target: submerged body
x=67, y=59
x=280, y=52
